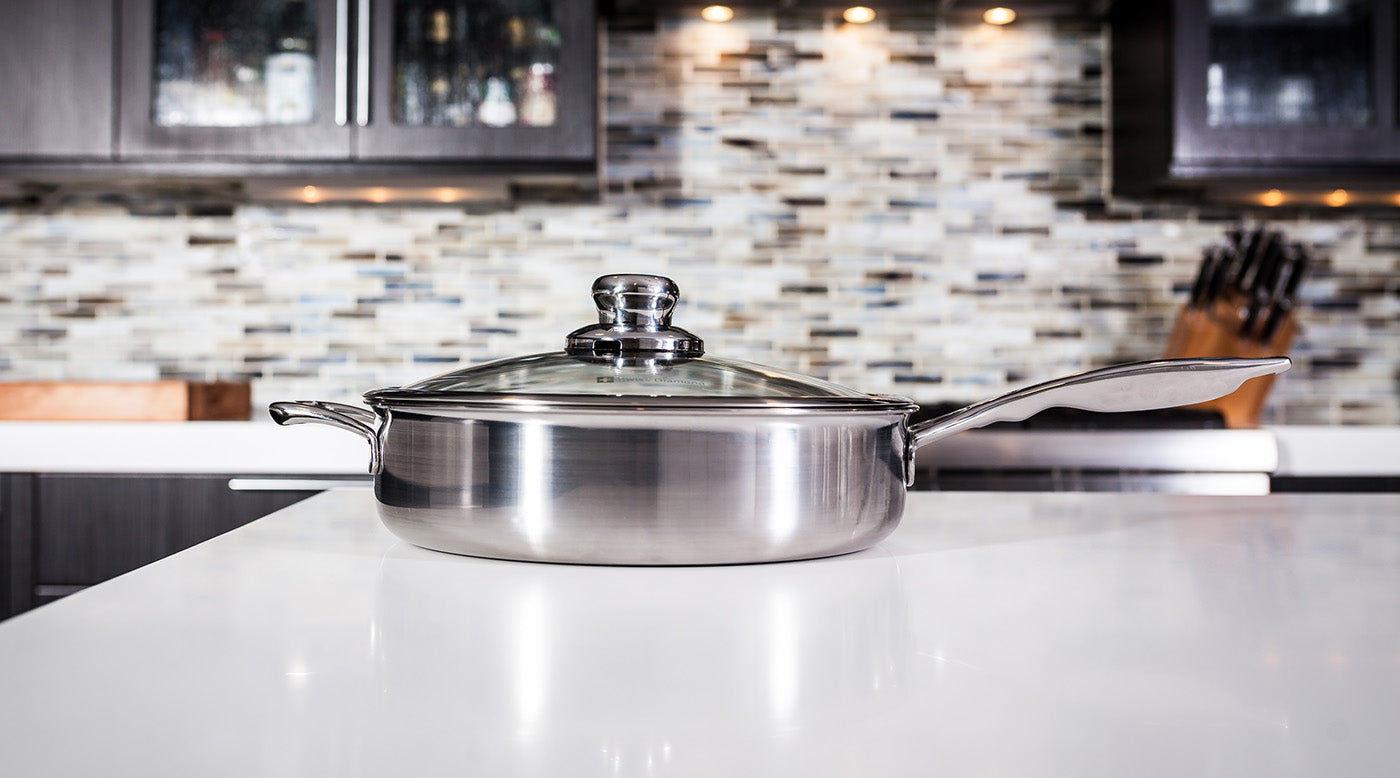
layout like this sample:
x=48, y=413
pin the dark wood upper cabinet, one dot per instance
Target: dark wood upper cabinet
x=1221, y=94
x=202, y=80
x=56, y=93
x=247, y=87
x=447, y=79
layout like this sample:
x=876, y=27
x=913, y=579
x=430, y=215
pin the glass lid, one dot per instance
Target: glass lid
x=632, y=353
x=560, y=372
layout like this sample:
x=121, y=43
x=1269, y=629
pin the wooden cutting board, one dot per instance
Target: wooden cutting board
x=125, y=401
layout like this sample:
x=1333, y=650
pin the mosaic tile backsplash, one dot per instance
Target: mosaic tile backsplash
x=916, y=209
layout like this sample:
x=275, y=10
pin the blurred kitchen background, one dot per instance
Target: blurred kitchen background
x=921, y=204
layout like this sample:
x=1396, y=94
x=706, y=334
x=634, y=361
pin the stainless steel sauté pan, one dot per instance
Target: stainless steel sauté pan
x=632, y=446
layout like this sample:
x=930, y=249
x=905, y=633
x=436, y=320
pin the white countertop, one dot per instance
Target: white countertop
x=992, y=634
x=179, y=447
x=1338, y=451
x=263, y=447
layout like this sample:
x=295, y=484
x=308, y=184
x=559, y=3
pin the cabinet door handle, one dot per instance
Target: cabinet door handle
x=294, y=484
x=342, y=62
x=362, y=66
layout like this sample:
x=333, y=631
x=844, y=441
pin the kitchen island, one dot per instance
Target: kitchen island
x=1030, y=634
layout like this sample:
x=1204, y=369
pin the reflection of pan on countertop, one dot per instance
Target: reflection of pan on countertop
x=631, y=447
x=565, y=659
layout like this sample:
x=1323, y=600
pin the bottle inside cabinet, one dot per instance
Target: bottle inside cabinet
x=460, y=63
x=225, y=63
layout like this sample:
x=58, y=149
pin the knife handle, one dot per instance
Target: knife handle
x=1281, y=311
x=1209, y=262
x=1290, y=276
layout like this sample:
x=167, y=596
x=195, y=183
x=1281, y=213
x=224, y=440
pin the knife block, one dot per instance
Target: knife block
x=1217, y=331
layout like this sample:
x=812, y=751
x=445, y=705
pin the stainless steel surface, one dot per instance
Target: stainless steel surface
x=1176, y=461
x=360, y=421
x=1213, y=451
x=342, y=62
x=1118, y=482
x=267, y=484
x=697, y=403
x=1139, y=386
x=362, y=62
x=619, y=477
x=642, y=489
x=634, y=319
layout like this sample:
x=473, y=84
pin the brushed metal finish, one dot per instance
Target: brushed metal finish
x=676, y=481
x=1157, y=451
x=351, y=418
x=278, y=484
x=362, y=55
x=634, y=317
x=1134, y=386
x=342, y=62
x=642, y=488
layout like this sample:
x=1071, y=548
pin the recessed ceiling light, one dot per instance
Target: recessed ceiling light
x=858, y=14
x=999, y=15
x=717, y=13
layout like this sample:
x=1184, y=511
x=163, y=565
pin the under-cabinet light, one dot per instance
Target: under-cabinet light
x=717, y=13
x=1271, y=198
x=858, y=14
x=1337, y=198
x=410, y=191
x=999, y=15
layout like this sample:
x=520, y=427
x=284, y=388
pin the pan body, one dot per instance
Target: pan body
x=642, y=487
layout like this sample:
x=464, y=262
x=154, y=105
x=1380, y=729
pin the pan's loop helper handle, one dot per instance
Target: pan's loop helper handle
x=360, y=421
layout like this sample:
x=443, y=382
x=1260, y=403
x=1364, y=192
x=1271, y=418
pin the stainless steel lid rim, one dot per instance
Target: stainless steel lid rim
x=631, y=403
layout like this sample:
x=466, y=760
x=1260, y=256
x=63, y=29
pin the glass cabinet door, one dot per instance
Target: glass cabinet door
x=500, y=78
x=493, y=82
x=221, y=65
x=235, y=78
x=1290, y=63
x=459, y=64
x=1304, y=80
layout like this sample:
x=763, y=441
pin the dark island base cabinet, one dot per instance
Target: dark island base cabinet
x=62, y=532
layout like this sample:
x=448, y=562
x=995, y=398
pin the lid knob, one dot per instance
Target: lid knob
x=634, y=319
x=635, y=300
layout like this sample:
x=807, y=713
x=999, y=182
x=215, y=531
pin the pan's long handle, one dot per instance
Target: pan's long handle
x=358, y=420
x=1137, y=386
